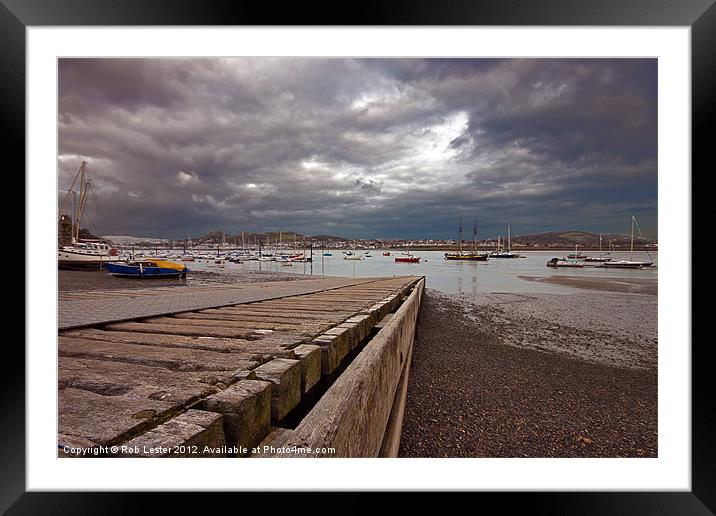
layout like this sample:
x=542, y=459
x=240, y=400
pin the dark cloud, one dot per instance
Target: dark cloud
x=361, y=147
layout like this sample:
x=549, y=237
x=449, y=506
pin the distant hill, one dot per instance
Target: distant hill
x=552, y=239
x=328, y=237
x=126, y=239
x=572, y=238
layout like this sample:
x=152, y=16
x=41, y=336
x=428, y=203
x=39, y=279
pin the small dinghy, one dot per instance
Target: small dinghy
x=147, y=269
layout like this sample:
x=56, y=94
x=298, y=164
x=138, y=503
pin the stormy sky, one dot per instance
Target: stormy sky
x=361, y=147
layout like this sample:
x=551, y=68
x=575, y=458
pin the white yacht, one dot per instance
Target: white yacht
x=83, y=253
x=86, y=254
x=630, y=263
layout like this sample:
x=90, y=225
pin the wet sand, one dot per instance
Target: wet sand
x=627, y=285
x=533, y=375
x=102, y=280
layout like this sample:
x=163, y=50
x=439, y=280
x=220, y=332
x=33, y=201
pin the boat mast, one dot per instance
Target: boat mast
x=509, y=240
x=631, y=249
x=474, y=237
x=71, y=190
x=460, y=234
x=84, y=187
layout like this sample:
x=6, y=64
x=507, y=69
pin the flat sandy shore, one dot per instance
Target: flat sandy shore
x=533, y=375
x=628, y=285
x=102, y=280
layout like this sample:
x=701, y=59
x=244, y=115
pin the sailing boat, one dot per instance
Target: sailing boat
x=220, y=254
x=83, y=253
x=501, y=253
x=472, y=256
x=630, y=263
x=603, y=257
x=187, y=256
x=408, y=258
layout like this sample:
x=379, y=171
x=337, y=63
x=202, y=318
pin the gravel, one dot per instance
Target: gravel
x=506, y=375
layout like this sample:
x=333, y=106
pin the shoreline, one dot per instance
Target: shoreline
x=533, y=375
x=72, y=280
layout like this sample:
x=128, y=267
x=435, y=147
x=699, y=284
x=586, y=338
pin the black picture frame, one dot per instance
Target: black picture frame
x=700, y=15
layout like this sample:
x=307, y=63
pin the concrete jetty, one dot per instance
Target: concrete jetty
x=297, y=368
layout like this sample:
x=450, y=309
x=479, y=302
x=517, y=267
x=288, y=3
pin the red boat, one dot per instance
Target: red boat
x=386, y=253
x=408, y=259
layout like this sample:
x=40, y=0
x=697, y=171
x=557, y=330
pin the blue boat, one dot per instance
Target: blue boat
x=147, y=269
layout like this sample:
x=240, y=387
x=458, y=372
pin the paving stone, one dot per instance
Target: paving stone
x=285, y=378
x=194, y=433
x=246, y=409
x=310, y=357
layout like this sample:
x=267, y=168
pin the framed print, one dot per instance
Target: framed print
x=441, y=248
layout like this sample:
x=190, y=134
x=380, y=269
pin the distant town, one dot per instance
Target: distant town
x=288, y=239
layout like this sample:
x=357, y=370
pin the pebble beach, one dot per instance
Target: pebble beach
x=534, y=375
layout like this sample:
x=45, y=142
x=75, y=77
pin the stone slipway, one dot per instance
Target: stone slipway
x=84, y=308
x=217, y=380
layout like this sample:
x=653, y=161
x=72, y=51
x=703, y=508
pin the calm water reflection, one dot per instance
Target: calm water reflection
x=495, y=275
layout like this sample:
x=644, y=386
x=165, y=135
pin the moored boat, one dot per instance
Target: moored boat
x=82, y=253
x=626, y=264
x=475, y=257
x=598, y=259
x=630, y=263
x=147, y=269
x=469, y=255
x=565, y=262
x=500, y=252
x=86, y=255
x=407, y=259
x=603, y=257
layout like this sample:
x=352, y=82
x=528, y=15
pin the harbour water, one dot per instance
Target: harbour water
x=450, y=277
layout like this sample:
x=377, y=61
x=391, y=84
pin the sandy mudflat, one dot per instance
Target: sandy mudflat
x=533, y=375
x=102, y=280
x=627, y=285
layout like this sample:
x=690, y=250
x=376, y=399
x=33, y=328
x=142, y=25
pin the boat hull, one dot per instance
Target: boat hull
x=469, y=257
x=75, y=260
x=407, y=260
x=135, y=271
x=627, y=265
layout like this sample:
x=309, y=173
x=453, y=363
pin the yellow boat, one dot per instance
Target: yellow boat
x=147, y=269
